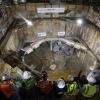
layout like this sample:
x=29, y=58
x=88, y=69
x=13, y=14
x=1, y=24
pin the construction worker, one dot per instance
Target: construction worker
x=82, y=78
x=45, y=86
x=59, y=87
x=90, y=89
x=96, y=75
x=28, y=80
x=72, y=86
x=8, y=89
x=28, y=84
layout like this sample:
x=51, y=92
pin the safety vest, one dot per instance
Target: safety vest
x=29, y=84
x=90, y=90
x=45, y=86
x=7, y=89
x=72, y=89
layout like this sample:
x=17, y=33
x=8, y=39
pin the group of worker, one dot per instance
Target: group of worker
x=73, y=86
x=31, y=89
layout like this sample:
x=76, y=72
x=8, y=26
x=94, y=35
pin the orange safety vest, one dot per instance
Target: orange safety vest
x=7, y=89
x=45, y=86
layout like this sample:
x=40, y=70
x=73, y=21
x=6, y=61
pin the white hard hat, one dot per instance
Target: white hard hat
x=70, y=78
x=5, y=77
x=91, y=78
x=26, y=75
x=60, y=83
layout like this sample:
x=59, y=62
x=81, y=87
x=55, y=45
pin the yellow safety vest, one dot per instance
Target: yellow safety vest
x=72, y=89
x=90, y=90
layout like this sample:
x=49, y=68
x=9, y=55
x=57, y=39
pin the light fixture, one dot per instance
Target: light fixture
x=79, y=22
x=28, y=22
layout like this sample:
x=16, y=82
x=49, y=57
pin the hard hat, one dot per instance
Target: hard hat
x=26, y=75
x=94, y=75
x=70, y=78
x=91, y=78
x=5, y=77
x=44, y=74
x=60, y=83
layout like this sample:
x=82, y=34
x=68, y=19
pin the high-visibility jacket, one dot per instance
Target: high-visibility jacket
x=7, y=89
x=45, y=86
x=90, y=90
x=28, y=84
x=72, y=89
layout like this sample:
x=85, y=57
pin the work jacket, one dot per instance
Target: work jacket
x=7, y=89
x=89, y=90
x=45, y=86
x=72, y=89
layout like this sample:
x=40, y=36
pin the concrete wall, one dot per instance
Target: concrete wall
x=51, y=27
x=91, y=36
x=33, y=6
x=0, y=1
x=88, y=32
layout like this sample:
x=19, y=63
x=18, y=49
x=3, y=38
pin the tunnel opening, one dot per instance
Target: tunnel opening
x=55, y=57
x=21, y=35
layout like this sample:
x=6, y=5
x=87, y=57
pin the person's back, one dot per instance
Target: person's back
x=90, y=90
x=95, y=74
x=28, y=84
x=82, y=78
x=45, y=86
x=59, y=87
x=7, y=88
x=27, y=90
x=72, y=86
